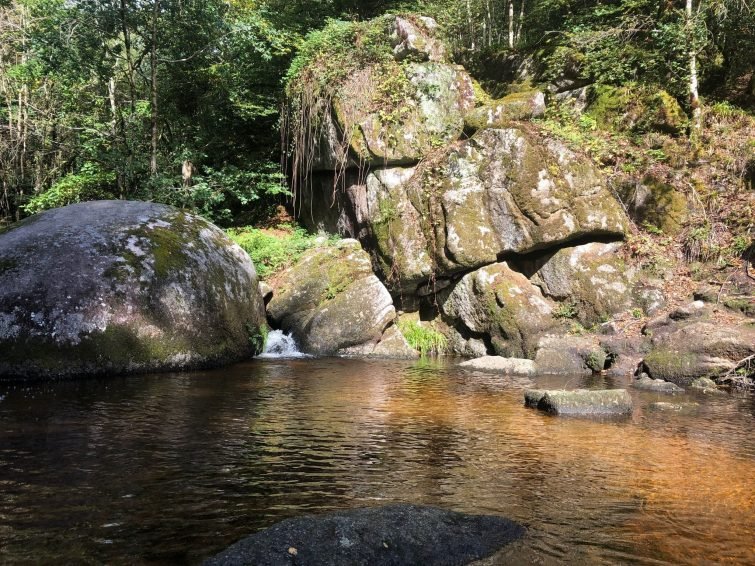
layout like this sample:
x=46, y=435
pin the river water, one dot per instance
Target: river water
x=171, y=468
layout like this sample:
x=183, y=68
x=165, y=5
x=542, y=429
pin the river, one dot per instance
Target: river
x=171, y=468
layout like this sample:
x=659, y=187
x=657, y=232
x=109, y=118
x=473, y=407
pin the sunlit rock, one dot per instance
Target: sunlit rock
x=123, y=287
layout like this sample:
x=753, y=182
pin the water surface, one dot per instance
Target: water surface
x=165, y=469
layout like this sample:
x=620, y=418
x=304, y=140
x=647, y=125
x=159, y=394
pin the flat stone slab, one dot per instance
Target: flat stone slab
x=388, y=535
x=581, y=402
x=656, y=385
x=499, y=364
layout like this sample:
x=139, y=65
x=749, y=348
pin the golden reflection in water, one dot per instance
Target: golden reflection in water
x=691, y=497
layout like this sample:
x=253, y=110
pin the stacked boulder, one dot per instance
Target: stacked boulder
x=490, y=234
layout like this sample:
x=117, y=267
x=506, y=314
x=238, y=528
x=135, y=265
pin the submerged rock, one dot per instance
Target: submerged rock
x=657, y=385
x=585, y=402
x=110, y=287
x=675, y=407
x=390, y=535
x=332, y=302
x=532, y=397
x=498, y=364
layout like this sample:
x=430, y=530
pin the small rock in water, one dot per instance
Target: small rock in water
x=379, y=536
x=678, y=407
x=532, y=397
x=647, y=383
x=582, y=402
x=507, y=366
x=705, y=385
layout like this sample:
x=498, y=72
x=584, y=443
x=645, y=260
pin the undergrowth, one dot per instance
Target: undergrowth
x=275, y=249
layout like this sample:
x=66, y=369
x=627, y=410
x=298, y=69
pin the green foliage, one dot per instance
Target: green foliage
x=565, y=310
x=422, y=338
x=274, y=250
x=90, y=183
x=258, y=337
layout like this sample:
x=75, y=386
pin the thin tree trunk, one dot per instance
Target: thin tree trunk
x=153, y=91
x=694, y=98
x=519, y=23
x=470, y=28
x=511, y=24
x=127, y=49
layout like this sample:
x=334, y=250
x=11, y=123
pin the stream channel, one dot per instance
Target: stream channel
x=172, y=468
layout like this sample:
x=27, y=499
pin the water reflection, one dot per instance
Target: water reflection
x=171, y=468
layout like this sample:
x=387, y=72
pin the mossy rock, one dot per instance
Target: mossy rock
x=501, y=304
x=505, y=191
x=592, y=278
x=111, y=287
x=683, y=351
x=331, y=301
x=638, y=109
x=656, y=203
x=500, y=113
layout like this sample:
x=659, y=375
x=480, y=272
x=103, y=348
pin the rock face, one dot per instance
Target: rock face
x=123, y=287
x=505, y=191
x=558, y=354
x=380, y=536
x=500, y=113
x=332, y=302
x=397, y=113
x=684, y=351
x=582, y=402
x=593, y=277
x=502, y=304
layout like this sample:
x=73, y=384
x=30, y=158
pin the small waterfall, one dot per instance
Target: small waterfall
x=280, y=345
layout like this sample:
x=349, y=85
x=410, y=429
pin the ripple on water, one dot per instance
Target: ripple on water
x=171, y=468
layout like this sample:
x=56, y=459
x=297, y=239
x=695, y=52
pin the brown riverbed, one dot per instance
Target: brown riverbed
x=165, y=469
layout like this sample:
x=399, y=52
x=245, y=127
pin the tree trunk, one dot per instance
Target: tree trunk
x=511, y=24
x=694, y=99
x=519, y=23
x=153, y=90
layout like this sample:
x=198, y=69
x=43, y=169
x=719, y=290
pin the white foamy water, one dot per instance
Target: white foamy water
x=281, y=345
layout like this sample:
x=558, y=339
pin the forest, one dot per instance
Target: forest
x=179, y=101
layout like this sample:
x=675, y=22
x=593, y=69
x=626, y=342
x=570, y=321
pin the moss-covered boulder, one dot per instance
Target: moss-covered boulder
x=395, y=114
x=112, y=287
x=681, y=352
x=593, y=279
x=333, y=303
x=655, y=202
x=503, y=306
x=503, y=191
x=499, y=113
x=638, y=109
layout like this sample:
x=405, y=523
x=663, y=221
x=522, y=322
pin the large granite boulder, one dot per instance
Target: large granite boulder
x=504, y=191
x=380, y=536
x=332, y=302
x=570, y=355
x=592, y=277
x=504, y=306
x=123, y=287
x=682, y=351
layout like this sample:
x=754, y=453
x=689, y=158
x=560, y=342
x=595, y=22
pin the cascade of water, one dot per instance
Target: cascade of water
x=281, y=345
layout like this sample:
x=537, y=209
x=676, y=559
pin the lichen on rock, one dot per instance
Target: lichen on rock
x=122, y=287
